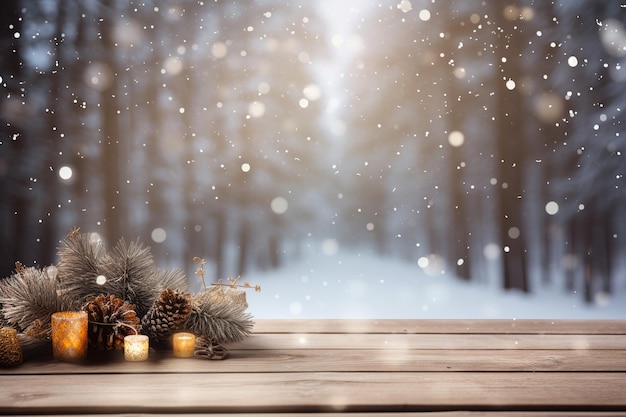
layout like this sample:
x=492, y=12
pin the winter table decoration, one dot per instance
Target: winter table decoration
x=136, y=347
x=69, y=335
x=184, y=344
x=94, y=298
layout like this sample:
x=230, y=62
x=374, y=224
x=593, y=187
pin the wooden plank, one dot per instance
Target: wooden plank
x=461, y=413
x=333, y=360
x=429, y=341
x=439, y=326
x=392, y=414
x=305, y=392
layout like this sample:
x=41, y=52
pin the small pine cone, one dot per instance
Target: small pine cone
x=207, y=349
x=10, y=349
x=110, y=319
x=168, y=313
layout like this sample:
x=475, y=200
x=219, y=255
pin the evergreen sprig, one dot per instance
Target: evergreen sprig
x=171, y=278
x=80, y=264
x=219, y=314
x=128, y=271
x=29, y=298
x=85, y=269
x=131, y=275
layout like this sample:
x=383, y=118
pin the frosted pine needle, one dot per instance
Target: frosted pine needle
x=80, y=264
x=131, y=275
x=220, y=315
x=29, y=298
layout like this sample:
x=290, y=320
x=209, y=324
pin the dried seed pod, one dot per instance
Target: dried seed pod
x=207, y=349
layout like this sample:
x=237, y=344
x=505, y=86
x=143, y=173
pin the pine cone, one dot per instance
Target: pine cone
x=168, y=313
x=110, y=319
x=208, y=349
x=10, y=349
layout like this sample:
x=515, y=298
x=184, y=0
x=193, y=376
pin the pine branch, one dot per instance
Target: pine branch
x=174, y=279
x=219, y=314
x=29, y=298
x=128, y=271
x=131, y=275
x=79, y=265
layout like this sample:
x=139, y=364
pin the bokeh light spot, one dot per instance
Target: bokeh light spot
x=456, y=138
x=65, y=173
x=552, y=207
x=158, y=235
x=279, y=205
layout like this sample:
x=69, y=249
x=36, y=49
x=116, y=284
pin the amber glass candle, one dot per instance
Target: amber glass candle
x=69, y=335
x=184, y=344
x=136, y=347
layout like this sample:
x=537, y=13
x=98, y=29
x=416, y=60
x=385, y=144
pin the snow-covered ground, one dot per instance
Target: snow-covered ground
x=353, y=285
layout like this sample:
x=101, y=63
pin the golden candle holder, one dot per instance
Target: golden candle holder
x=184, y=344
x=69, y=335
x=136, y=347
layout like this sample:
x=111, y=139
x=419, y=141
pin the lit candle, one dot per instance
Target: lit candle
x=69, y=335
x=136, y=347
x=184, y=344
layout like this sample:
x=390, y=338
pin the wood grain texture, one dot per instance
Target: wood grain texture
x=349, y=367
x=306, y=392
x=342, y=360
x=460, y=413
x=442, y=326
x=430, y=341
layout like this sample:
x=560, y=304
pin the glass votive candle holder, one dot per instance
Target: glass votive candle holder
x=69, y=335
x=184, y=344
x=136, y=347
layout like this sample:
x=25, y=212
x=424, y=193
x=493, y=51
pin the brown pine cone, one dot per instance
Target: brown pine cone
x=110, y=319
x=10, y=349
x=168, y=313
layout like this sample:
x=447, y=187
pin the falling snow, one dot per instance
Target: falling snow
x=357, y=158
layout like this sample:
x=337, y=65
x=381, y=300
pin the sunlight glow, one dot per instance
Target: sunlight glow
x=337, y=40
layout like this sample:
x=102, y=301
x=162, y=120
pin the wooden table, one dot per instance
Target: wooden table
x=356, y=367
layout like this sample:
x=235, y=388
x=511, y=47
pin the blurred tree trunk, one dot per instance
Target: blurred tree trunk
x=110, y=126
x=53, y=141
x=511, y=149
x=460, y=228
x=14, y=214
x=242, y=196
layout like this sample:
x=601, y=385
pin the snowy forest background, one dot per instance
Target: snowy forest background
x=476, y=139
